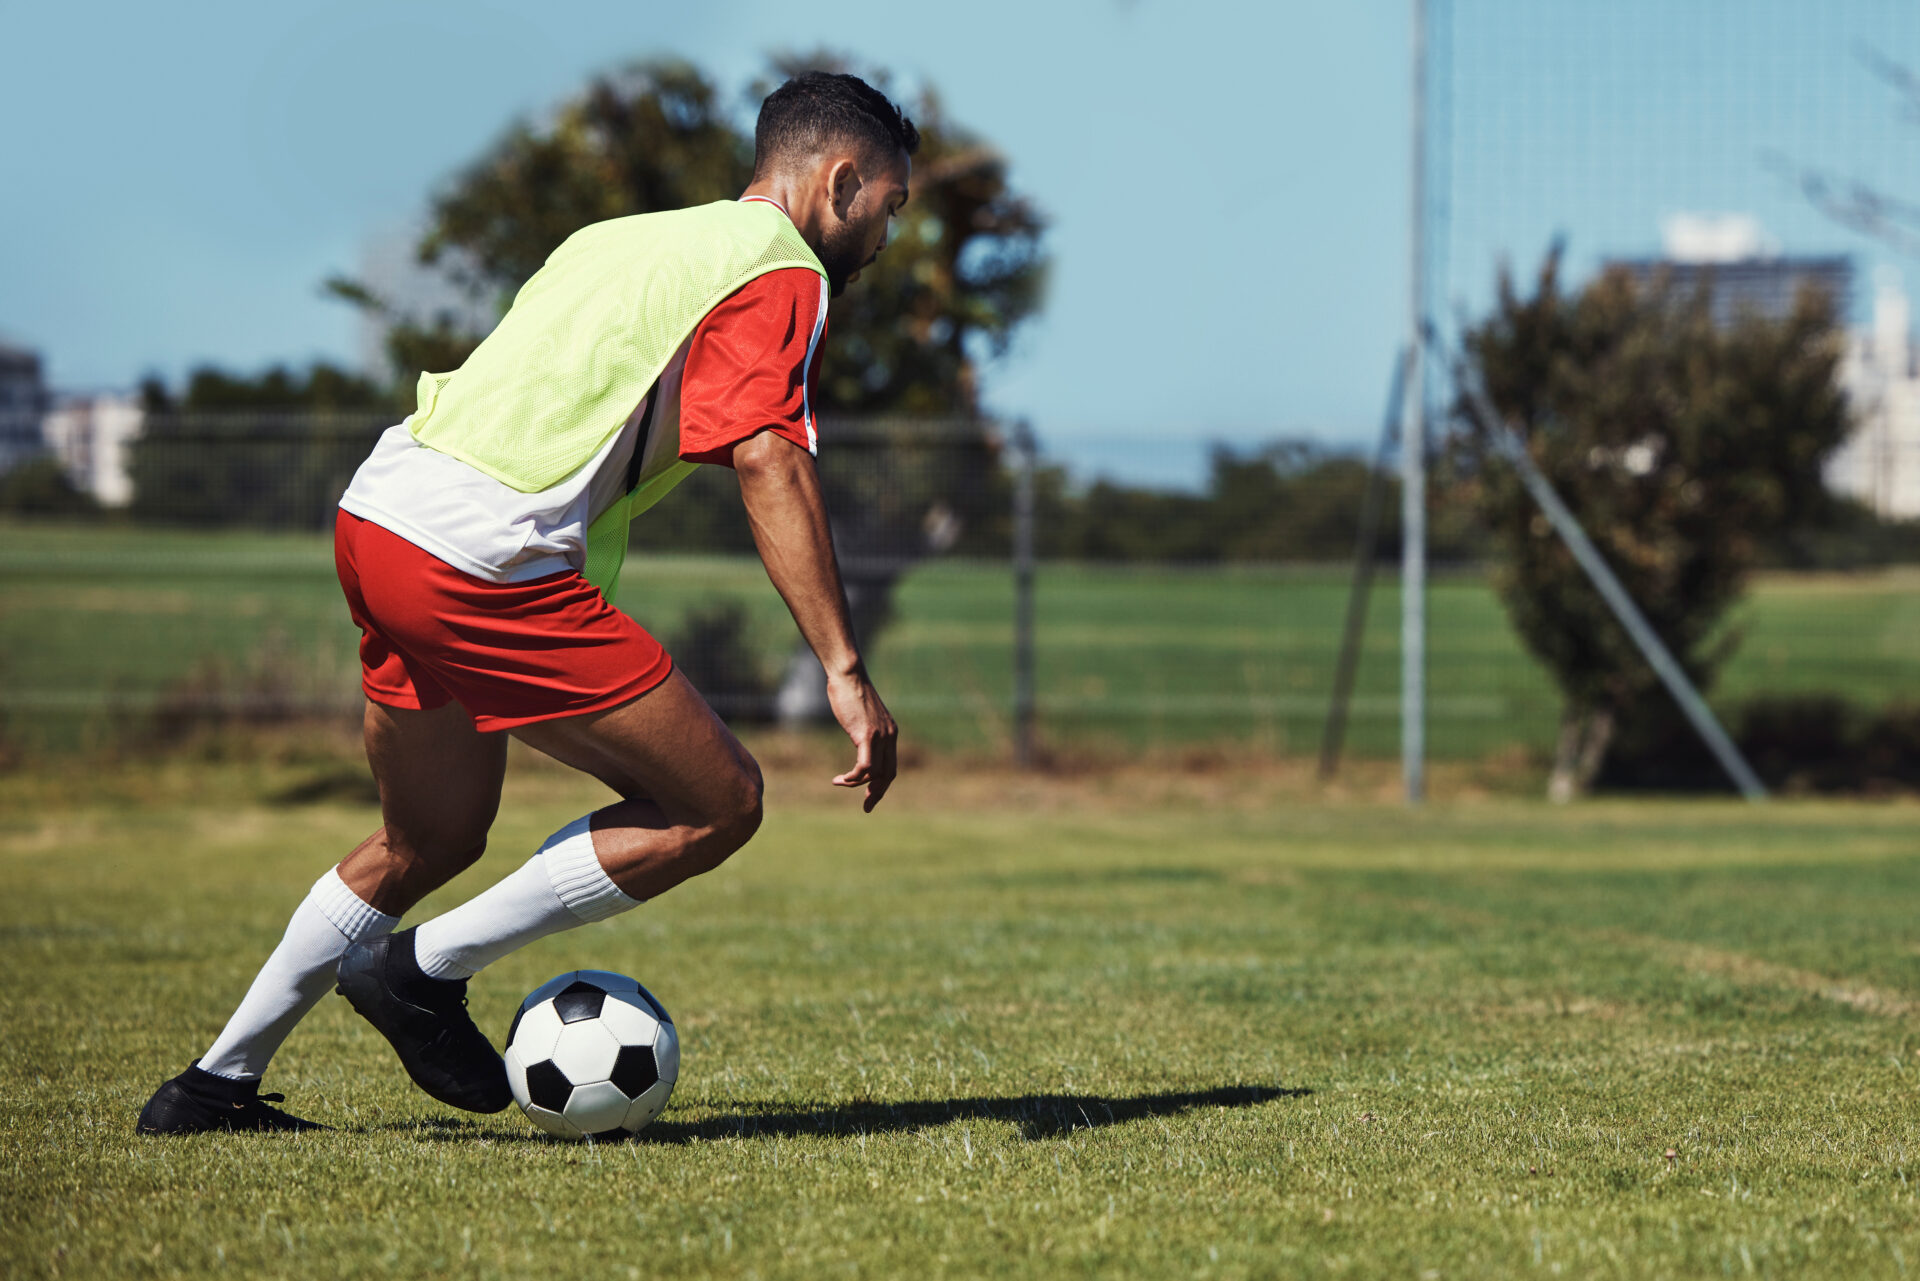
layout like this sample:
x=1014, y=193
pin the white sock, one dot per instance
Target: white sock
x=295, y=977
x=561, y=887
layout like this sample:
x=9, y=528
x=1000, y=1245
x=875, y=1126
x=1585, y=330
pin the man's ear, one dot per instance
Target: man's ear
x=843, y=184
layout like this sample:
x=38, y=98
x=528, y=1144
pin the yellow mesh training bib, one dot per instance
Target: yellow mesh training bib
x=586, y=338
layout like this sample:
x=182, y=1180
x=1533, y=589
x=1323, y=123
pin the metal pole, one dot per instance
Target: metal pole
x=1601, y=574
x=1026, y=461
x=1335, y=734
x=1413, y=459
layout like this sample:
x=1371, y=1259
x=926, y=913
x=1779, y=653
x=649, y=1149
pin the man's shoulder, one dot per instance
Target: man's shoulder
x=788, y=299
x=748, y=225
x=785, y=284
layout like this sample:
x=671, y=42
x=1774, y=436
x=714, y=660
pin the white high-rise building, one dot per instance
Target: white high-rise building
x=1880, y=462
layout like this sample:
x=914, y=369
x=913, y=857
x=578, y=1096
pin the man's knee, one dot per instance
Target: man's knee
x=737, y=816
x=447, y=854
x=393, y=872
x=749, y=803
x=742, y=809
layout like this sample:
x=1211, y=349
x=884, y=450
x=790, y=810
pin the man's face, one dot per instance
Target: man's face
x=866, y=196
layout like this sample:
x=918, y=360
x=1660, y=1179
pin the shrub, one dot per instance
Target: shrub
x=1796, y=743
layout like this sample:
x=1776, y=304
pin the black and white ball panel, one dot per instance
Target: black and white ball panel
x=606, y=981
x=592, y=1053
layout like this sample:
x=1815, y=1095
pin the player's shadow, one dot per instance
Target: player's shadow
x=1036, y=1116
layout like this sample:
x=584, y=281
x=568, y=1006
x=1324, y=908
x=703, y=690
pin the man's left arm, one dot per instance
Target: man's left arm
x=788, y=512
x=746, y=403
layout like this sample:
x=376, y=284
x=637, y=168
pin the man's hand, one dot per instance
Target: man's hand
x=857, y=706
x=784, y=505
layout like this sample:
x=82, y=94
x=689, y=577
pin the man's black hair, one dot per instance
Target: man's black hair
x=817, y=108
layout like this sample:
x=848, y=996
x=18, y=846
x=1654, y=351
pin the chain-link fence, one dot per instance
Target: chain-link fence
x=1749, y=150
x=1753, y=161
x=211, y=597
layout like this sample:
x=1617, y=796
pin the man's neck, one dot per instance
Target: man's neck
x=783, y=191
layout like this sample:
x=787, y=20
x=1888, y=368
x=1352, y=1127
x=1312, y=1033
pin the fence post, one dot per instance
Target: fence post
x=1413, y=460
x=1348, y=664
x=1026, y=460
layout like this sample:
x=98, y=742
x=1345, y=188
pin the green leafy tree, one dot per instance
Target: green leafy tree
x=964, y=270
x=653, y=137
x=1681, y=445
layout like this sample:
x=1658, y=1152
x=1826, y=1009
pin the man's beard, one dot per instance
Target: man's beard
x=840, y=256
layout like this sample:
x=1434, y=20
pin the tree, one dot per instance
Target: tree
x=1682, y=446
x=963, y=271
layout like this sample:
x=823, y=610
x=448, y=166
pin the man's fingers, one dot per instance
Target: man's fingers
x=862, y=763
x=886, y=767
x=877, y=786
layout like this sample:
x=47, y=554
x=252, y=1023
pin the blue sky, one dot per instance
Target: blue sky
x=1227, y=181
x=1601, y=122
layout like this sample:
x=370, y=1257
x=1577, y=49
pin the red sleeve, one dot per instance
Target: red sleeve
x=750, y=366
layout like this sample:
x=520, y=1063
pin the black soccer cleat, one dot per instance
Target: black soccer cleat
x=197, y=1102
x=425, y=1020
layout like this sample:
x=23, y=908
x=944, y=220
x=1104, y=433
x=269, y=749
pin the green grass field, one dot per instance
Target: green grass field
x=1139, y=1024
x=96, y=624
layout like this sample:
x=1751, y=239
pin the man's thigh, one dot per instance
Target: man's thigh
x=439, y=777
x=666, y=746
x=439, y=782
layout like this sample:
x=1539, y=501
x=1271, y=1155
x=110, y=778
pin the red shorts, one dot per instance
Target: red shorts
x=511, y=653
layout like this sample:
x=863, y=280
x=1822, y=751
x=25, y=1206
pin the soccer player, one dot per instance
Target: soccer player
x=478, y=546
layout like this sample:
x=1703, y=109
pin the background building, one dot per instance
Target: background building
x=1880, y=463
x=90, y=435
x=23, y=399
x=1756, y=284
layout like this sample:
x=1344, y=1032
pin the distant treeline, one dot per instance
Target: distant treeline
x=1286, y=501
x=1289, y=501
x=276, y=450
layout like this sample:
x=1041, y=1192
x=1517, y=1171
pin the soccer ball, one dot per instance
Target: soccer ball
x=592, y=1055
